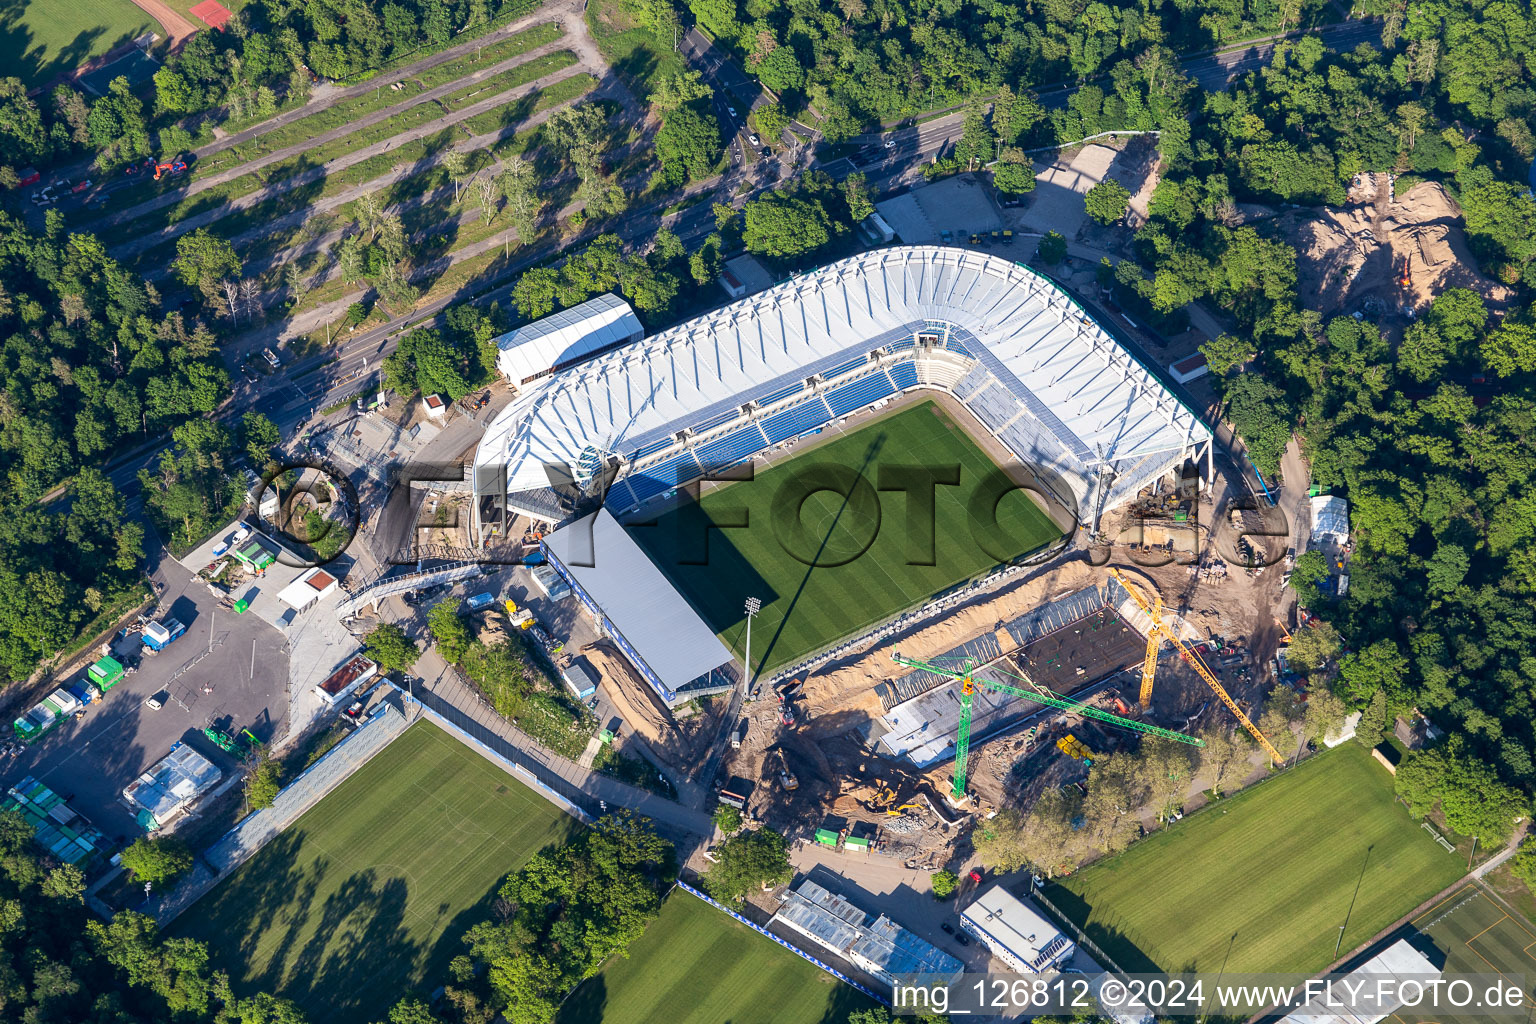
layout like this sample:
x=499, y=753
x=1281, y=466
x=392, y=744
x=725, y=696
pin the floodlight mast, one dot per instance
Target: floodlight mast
x=965, y=673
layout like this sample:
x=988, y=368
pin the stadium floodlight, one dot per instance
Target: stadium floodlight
x=753, y=607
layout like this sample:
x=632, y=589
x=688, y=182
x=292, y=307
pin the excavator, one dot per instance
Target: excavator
x=176, y=166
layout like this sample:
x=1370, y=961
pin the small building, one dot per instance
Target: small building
x=1189, y=368
x=254, y=555
x=566, y=338
x=55, y=827
x=1016, y=932
x=732, y=284
x=1330, y=519
x=736, y=792
x=877, y=946
x=308, y=588
x=170, y=786
x=340, y=684
x=579, y=680
x=436, y=407
x=879, y=227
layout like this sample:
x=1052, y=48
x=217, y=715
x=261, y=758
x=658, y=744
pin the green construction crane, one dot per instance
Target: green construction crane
x=964, y=673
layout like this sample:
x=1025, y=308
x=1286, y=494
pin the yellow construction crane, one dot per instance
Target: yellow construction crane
x=1194, y=660
x=1154, y=642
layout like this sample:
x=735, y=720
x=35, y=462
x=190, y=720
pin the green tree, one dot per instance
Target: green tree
x=944, y=884
x=1107, y=201
x=1013, y=179
x=856, y=195
x=1310, y=570
x=263, y=779
x=450, y=630
x=259, y=435
x=156, y=859
x=747, y=861
x=1226, y=353
x=1052, y=248
x=688, y=145
x=676, y=89
x=203, y=260
x=388, y=645
x=771, y=122
x=1313, y=646
x=727, y=819
x=784, y=226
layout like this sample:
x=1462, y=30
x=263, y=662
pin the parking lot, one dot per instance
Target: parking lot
x=229, y=671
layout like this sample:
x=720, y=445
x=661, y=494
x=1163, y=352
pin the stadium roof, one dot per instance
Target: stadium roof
x=1088, y=392
x=566, y=337
x=637, y=599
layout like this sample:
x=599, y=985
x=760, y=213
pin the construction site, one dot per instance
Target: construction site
x=1386, y=252
x=861, y=754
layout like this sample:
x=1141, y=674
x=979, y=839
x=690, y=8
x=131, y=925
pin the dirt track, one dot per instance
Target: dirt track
x=177, y=28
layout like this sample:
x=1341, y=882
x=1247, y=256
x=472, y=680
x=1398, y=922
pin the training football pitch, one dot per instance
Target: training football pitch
x=49, y=37
x=368, y=894
x=1268, y=874
x=1478, y=935
x=695, y=965
x=827, y=564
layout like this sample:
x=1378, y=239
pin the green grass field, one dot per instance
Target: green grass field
x=694, y=965
x=45, y=38
x=369, y=893
x=807, y=602
x=1478, y=936
x=1275, y=866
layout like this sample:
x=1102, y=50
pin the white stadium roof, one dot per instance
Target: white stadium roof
x=642, y=607
x=566, y=337
x=1077, y=386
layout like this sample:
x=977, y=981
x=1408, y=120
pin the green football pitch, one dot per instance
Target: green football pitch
x=369, y=893
x=829, y=557
x=695, y=965
x=46, y=38
x=1478, y=934
x=1266, y=876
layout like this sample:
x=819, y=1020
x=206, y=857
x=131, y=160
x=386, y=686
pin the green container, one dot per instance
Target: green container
x=241, y=605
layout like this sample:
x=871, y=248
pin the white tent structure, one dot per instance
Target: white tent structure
x=1330, y=519
x=1044, y=378
x=538, y=349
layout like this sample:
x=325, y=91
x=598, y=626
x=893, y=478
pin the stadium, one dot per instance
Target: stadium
x=759, y=451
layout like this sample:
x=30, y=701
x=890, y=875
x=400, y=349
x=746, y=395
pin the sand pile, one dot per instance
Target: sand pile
x=1384, y=254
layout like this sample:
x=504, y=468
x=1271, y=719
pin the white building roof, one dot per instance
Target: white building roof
x=1330, y=518
x=308, y=588
x=1398, y=961
x=1013, y=927
x=639, y=601
x=566, y=336
x=1086, y=391
x=173, y=782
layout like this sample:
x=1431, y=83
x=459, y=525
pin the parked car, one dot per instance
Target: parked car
x=949, y=929
x=962, y=938
x=754, y=139
x=155, y=701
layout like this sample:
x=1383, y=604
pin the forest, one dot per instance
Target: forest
x=90, y=365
